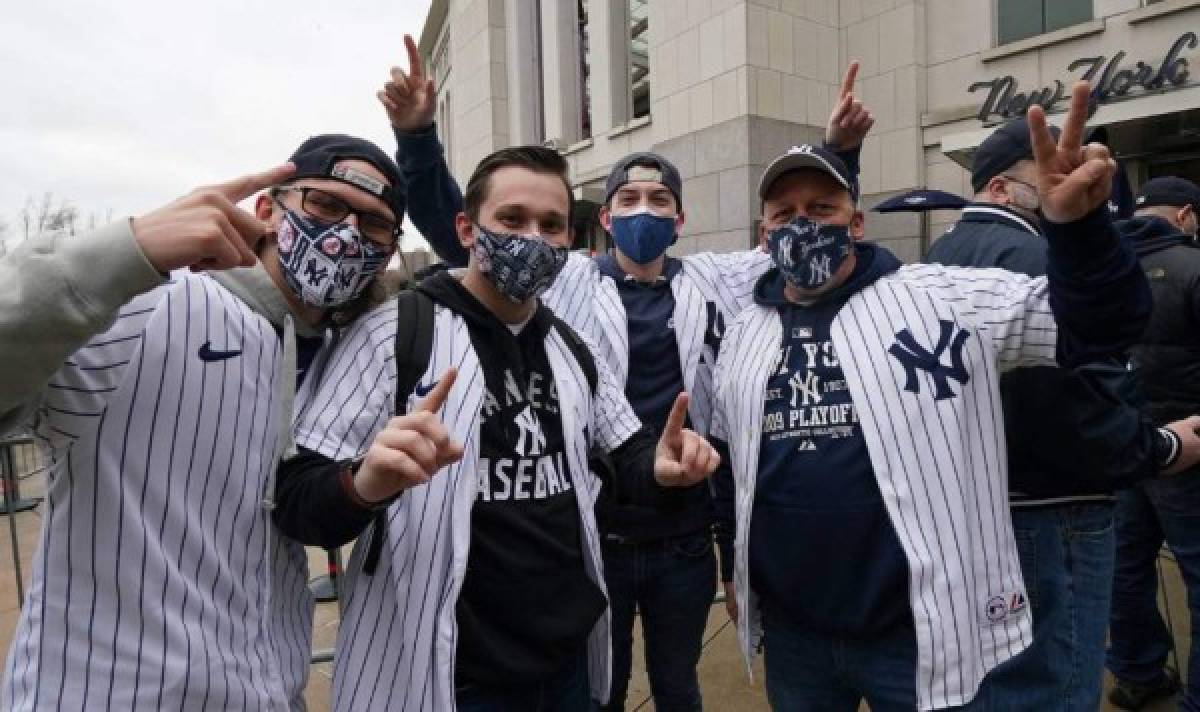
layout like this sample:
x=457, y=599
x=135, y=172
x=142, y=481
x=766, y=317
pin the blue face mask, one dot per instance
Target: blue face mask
x=809, y=253
x=643, y=236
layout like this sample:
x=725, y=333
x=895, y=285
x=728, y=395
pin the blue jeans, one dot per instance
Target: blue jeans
x=672, y=583
x=566, y=691
x=1165, y=508
x=813, y=672
x=1067, y=561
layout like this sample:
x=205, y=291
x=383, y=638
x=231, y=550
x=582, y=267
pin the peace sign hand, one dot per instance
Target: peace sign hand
x=850, y=121
x=205, y=229
x=409, y=99
x=683, y=457
x=410, y=449
x=1073, y=179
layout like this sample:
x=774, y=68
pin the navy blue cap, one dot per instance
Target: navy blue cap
x=318, y=157
x=1007, y=145
x=644, y=166
x=920, y=201
x=1169, y=190
x=808, y=156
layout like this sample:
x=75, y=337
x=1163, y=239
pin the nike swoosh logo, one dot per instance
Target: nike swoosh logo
x=207, y=354
x=423, y=391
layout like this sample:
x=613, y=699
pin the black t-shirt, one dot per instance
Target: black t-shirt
x=527, y=603
x=823, y=552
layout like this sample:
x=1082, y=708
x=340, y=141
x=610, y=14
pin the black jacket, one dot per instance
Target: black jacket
x=1169, y=355
x=1073, y=434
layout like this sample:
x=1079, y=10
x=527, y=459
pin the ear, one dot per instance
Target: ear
x=762, y=236
x=680, y=219
x=465, y=229
x=605, y=219
x=264, y=207
x=997, y=191
x=1183, y=215
x=858, y=226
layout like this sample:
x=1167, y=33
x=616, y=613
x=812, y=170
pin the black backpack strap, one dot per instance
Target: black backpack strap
x=414, y=347
x=583, y=355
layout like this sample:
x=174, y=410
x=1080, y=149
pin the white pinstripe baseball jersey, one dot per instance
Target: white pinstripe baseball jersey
x=396, y=645
x=935, y=436
x=709, y=291
x=160, y=582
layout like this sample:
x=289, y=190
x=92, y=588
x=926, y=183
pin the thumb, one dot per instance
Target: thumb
x=674, y=426
x=436, y=397
x=239, y=189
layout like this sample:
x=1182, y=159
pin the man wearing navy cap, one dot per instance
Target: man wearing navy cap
x=1068, y=447
x=861, y=495
x=1163, y=234
x=660, y=320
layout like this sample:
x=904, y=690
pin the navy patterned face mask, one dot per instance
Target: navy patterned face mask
x=521, y=267
x=326, y=265
x=809, y=253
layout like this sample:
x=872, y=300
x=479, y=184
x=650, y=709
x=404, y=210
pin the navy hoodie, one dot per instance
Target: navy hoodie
x=815, y=482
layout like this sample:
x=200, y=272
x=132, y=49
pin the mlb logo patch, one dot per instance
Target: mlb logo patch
x=998, y=609
x=801, y=332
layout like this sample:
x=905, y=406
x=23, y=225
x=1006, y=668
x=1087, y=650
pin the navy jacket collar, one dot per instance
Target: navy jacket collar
x=991, y=213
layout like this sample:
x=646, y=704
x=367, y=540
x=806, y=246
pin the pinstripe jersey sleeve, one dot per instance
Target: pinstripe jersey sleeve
x=571, y=295
x=1013, y=309
x=613, y=417
x=350, y=399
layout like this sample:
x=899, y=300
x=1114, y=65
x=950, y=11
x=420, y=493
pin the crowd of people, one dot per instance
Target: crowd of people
x=924, y=486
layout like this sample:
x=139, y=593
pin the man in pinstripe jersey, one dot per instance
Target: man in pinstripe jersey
x=489, y=583
x=159, y=394
x=865, y=520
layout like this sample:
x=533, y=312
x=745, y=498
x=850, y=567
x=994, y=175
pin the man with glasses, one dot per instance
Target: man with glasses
x=160, y=389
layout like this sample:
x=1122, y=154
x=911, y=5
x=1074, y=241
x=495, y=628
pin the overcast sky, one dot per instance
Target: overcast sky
x=126, y=104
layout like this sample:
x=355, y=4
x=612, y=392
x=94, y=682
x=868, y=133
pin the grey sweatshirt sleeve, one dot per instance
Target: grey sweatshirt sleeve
x=56, y=292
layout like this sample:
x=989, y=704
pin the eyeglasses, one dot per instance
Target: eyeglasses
x=327, y=207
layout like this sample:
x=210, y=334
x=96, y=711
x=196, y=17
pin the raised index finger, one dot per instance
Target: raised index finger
x=415, y=70
x=675, y=420
x=848, y=80
x=239, y=189
x=433, y=402
x=1077, y=114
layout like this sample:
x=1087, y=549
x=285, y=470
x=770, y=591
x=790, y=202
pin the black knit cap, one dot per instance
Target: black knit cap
x=317, y=158
x=1000, y=151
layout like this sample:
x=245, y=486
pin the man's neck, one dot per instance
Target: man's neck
x=504, y=308
x=647, y=273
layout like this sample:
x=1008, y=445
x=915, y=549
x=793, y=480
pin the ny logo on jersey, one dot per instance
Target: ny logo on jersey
x=531, y=441
x=805, y=390
x=819, y=269
x=915, y=357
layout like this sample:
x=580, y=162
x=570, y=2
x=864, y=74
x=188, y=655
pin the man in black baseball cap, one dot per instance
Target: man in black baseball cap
x=1162, y=231
x=1176, y=200
x=1061, y=474
x=661, y=321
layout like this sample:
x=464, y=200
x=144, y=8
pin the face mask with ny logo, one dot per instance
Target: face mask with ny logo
x=809, y=253
x=326, y=265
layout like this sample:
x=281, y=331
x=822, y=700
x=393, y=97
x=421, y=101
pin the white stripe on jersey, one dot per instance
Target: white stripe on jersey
x=397, y=641
x=940, y=464
x=708, y=284
x=150, y=587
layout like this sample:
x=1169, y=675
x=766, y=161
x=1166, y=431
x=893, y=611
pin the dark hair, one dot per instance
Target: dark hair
x=538, y=159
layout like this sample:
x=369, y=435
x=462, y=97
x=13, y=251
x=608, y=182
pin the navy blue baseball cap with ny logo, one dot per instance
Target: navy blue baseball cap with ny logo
x=808, y=156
